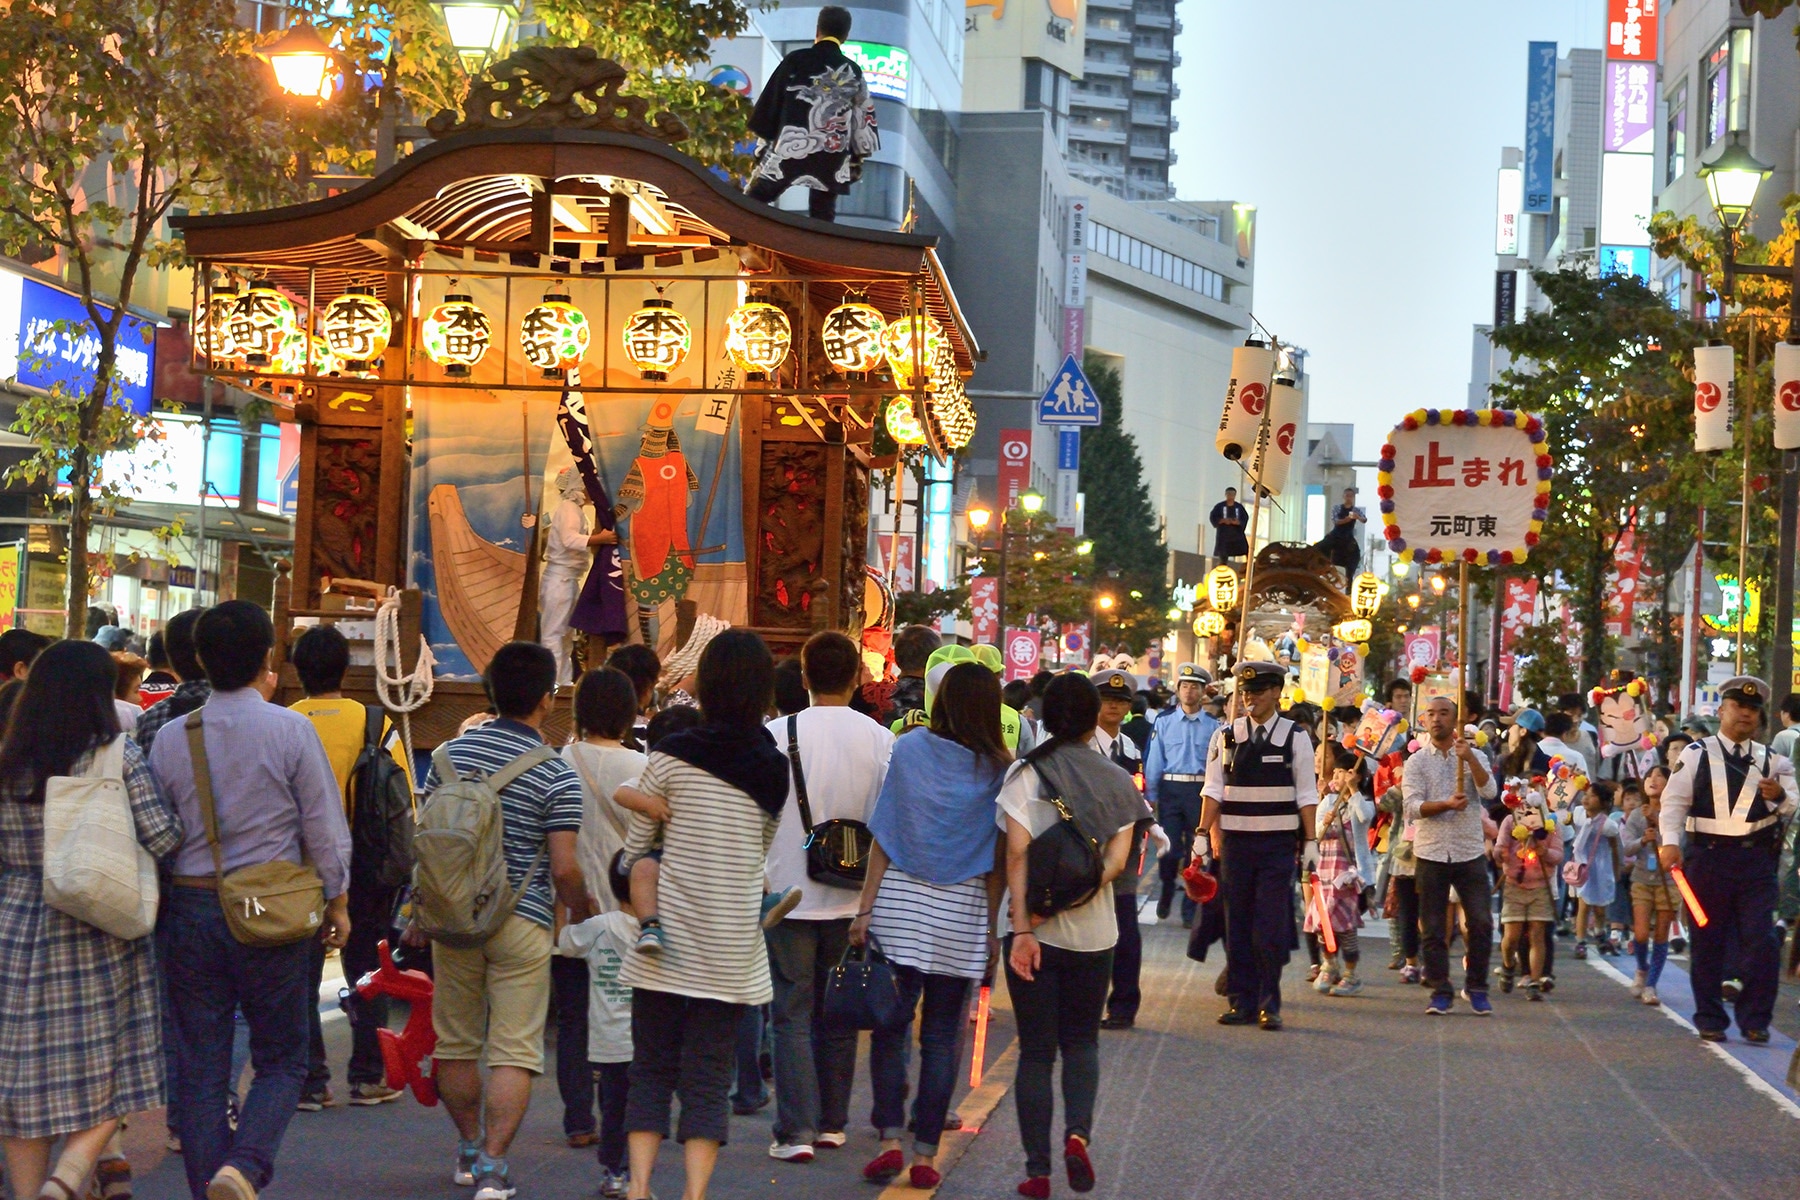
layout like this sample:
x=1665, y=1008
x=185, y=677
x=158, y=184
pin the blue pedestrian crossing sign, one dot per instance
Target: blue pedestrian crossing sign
x=1070, y=399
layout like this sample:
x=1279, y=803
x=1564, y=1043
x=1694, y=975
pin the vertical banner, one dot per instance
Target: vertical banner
x=1540, y=125
x=1518, y=610
x=1023, y=647
x=1015, y=465
x=1503, y=674
x=1622, y=582
x=1714, y=385
x=1422, y=647
x=1631, y=30
x=984, y=609
x=905, y=558
x=10, y=556
x=1074, y=339
x=1507, y=205
x=1787, y=395
x=1506, y=297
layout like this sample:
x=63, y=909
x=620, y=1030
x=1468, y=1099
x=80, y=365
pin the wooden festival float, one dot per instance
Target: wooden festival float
x=549, y=284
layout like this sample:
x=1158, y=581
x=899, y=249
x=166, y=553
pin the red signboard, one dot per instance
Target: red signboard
x=1422, y=647
x=1023, y=647
x=1621, y=595
x=1074, y=331
x=1015, y=465
x=1631, y=30
x=1518, y=611
x=984, y=606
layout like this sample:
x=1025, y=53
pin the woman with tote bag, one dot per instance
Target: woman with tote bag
x=80, y=1030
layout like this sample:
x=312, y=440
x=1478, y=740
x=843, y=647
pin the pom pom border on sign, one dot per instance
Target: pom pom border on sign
x=1496, y=417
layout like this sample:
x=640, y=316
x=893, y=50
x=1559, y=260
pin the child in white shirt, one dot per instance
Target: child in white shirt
x=603, y=941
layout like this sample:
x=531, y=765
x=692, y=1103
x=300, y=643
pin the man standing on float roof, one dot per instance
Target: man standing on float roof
x=1729, y=795
x=1260, y=796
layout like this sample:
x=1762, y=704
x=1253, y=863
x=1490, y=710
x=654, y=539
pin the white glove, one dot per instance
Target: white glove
x=1309, y=859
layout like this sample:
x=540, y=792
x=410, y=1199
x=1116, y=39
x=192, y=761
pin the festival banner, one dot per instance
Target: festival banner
x=1422, y=647
x=984, y=607
x=1023, y=646
x=1787, y=395
x=1622, y=582
x=1518, y=609
x=1469, y=485
x=1714, y=393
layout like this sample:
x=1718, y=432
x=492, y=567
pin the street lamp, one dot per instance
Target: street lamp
x=1732, y=180
x=478, y=29
x=300, y=59
x=1103, y=603
x=1084, y=548
x=1032, y=501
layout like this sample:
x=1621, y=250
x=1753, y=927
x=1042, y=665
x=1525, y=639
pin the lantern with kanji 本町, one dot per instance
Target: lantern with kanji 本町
x=1222, y=587
x=261, y=321
x=757, y=336
x=657, y=339
x=911, y=345
x=456, y=334
x=212, y=326
x=554, y=335
x=851, y=334
x=356, y=326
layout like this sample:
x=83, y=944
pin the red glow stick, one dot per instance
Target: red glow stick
x=981, y=1023
x=1687, y=894
x=1324, y=914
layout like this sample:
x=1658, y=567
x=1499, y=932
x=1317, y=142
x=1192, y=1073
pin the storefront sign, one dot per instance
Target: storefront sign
x=1630, y=108
x=886, y=69
x=1540, y=125
x=1631, y=30
x=41, y=355
x=10, y=557
x=1015, y=465
x=1508, y=202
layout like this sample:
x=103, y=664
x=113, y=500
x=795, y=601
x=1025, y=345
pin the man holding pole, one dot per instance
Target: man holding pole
x=1260, y=794
x=1444, y=785
x=1729, y=796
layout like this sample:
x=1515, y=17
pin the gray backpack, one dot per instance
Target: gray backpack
x=461, y=895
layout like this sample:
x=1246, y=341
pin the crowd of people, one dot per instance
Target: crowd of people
x=687, y=881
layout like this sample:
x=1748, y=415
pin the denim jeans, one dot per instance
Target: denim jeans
x=210, y=977
x=940, y=1050
x=815, y=1061
x=1057, y=1010
x=612, y=1082
x=748, y=1089
x=574, y=1074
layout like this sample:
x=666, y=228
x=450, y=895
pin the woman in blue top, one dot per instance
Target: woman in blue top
x=929, y=902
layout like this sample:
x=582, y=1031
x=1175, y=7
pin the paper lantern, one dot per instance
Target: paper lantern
x=212, y=326
x=757, y=337
x=1209, y=624
x=1222, y=587
x=456, y=334
x=657, y=339
x=1787, y=395
x=261, y=321
x=1246, y=397
x=1356, y=629
x=1365, y=595
x=902, y=425
x=949, y=401
x=356, y=326
x=852, y=337
x=911, y=346
x=1275, y=451
x=1714, y=388
x=291, y=358
x=554, y=335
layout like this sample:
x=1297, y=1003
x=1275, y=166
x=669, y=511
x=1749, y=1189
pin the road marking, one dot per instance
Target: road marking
x=1756, y=1082
x=975, y=1110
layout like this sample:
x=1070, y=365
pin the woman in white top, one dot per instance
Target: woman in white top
x=604, y=709
x=928, y=901
x=1058, y=968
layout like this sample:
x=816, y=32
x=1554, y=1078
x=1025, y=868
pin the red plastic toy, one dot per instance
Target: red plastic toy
x=407, y=1055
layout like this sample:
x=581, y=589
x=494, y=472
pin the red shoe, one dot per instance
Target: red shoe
x=925, y=1178
x=1036, y=1188
x=1081, y=1170
x=885, y=1167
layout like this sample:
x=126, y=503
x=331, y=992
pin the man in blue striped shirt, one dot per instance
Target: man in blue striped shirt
x=1174, y=770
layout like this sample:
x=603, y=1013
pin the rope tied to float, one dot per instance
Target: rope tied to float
x=398, y=690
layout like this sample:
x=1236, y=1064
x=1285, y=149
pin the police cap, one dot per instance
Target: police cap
x=1259, y=675
x=1115, y=685
x=1745, y=689
x=1192, y=673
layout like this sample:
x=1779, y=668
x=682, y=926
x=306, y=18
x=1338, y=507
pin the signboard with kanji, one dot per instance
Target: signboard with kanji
x=1465, y=485
x=1023, y=647
x=1631, y=30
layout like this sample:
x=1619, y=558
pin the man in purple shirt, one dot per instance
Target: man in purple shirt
x=276, y=798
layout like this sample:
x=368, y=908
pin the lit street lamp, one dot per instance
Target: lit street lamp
x=1103, y=603
x=980, y=516
x=301, y=61
x=479, y=29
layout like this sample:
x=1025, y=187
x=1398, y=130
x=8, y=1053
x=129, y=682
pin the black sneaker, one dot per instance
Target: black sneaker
x=1237, y=1016
x=316, y=1100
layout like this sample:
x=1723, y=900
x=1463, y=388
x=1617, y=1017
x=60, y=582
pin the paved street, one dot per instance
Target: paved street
x=1357, y=1098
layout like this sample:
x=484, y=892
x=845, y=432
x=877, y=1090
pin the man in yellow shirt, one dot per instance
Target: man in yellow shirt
x=321, y=657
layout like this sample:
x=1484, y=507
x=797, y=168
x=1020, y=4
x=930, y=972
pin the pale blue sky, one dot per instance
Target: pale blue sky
x=1367, y=133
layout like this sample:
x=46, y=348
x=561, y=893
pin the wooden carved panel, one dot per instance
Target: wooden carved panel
x=345, y=508
x=853, y=534
x=791, y=536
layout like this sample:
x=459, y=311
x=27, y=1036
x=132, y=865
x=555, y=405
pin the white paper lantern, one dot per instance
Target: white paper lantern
x=1252, y=368
x=1275, y=453
x=1787, y=395
x=1714, y=374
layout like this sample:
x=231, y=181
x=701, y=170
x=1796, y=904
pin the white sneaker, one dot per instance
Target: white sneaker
x=794, y=1152
x=614, y=1184
x=1350, y=986
x=1325, y=982
x=1648, y=996
x=830, y=1141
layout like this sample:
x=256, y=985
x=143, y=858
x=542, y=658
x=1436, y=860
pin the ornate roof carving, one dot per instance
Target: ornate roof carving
x=569, y=87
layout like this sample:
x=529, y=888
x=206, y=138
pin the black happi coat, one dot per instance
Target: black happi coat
x=816, y=121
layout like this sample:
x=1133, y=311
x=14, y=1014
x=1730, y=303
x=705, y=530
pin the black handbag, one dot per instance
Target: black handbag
x=862, y=992
x=837, y=852
x=1063, y=866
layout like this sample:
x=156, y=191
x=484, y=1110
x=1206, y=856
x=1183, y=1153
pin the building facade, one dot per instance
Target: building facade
x=1121, y=109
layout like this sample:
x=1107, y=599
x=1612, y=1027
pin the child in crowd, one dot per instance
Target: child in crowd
x=1618, y=913
x=1338, y=877
x=603, y=941
x=1653, y=903
x=1527, y=850
x=1595, y=863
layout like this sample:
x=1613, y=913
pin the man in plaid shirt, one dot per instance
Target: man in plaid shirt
x=178, y=641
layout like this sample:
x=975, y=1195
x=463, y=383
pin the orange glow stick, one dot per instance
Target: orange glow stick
x=1324, y=914
x=981, y=1023
x=1687, y=894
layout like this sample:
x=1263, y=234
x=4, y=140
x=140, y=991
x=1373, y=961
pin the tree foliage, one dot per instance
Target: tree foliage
x=1047, y=576
x=1128, y=545
x=113, y=113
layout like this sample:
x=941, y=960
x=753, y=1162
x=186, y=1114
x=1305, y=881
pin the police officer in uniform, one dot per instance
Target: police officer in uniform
x=1174, y=770
x=1118, y=692
x=1260, y=794
x=1729, y=797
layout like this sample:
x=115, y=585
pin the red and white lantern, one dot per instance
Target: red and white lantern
x=1787, y=395
x=1714, y=374
x=1274, y=459
x=1246, y=399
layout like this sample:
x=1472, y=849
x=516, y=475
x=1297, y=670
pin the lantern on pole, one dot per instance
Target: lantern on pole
x=478, y=29
x=456, y=334
x=1714, y=382
x=212, y=326
x=1222, y=587
x=1209, y=624
x=657, y=339
x=356, y=326
x=1275, y=452
x=1365, y=595
x=851, y=334
x=261, y=321
x=1787, y=395
x=902, y=424
x=1356, y=629
x=1246, y=396
x=911, y=347
x=757, y=336
x=554, y=335
x=301, y=61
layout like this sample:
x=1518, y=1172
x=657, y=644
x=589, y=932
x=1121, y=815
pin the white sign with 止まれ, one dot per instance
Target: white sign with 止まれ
x=1468, y=485
x=1787, y=395
x=1714, y=393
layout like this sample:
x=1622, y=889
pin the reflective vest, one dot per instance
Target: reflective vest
x=1725, y=803
x=1259, y=780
